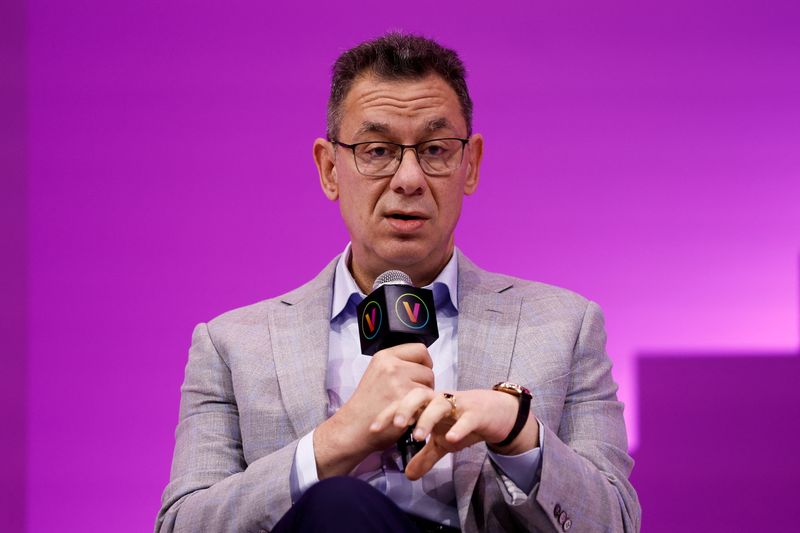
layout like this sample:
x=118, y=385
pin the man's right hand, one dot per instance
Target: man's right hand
x=345, y=439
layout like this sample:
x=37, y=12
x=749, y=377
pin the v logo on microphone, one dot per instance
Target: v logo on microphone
x=371, y=320
x=412, y=315
x=413, y=312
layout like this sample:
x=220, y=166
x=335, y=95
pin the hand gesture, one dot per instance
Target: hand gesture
x=456, y=421
x=342, y=441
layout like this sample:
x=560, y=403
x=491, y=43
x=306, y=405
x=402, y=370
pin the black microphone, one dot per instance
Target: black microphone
x=394, y=313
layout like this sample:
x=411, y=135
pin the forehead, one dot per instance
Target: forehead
x=401, y=108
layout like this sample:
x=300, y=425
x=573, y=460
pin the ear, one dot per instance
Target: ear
x=474, y=156
x=325, y=159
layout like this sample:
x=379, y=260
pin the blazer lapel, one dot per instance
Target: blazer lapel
x=299, y=331
x=488, y=317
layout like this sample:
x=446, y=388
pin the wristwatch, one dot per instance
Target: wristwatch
x=524, y=396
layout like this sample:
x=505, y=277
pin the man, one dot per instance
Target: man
x=285, y=426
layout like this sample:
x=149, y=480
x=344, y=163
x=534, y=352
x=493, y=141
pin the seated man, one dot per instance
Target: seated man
x=286, y=426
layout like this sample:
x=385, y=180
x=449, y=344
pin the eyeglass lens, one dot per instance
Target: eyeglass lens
x=437, y=157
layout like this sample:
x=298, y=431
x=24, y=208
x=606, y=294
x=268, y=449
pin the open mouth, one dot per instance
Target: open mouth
x=400, y=216
x=406, y=222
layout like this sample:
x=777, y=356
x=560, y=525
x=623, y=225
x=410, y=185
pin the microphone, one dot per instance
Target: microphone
x=394, y=313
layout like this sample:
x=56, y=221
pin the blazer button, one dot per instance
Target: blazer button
x=562, y=518
x=557, y=510
x=567, y=524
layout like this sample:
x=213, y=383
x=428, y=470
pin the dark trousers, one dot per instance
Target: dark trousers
x=346, y=504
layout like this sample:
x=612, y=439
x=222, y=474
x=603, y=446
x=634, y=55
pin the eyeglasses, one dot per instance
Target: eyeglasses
x=380, y=159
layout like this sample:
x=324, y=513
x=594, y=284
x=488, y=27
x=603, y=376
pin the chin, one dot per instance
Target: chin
x=409, y=253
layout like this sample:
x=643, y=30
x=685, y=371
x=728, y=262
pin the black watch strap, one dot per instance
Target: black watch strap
x=522, y=413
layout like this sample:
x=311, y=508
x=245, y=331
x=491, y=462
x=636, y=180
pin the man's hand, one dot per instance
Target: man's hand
x=345, y=439
x=480, y=415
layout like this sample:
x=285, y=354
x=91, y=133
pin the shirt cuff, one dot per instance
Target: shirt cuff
x=522, y=469
x=304, y=467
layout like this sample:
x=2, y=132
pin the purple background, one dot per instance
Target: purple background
x=156, y=171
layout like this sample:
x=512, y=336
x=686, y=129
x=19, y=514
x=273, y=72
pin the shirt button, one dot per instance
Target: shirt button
x=562, y=518
x=557, y=510
x=567, y=524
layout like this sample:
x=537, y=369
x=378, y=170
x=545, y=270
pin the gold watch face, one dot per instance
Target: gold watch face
x=512, y=388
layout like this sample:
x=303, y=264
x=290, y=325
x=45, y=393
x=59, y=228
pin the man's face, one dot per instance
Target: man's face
x=407, y=220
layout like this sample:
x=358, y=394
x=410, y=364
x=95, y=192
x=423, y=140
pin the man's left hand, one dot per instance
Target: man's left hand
x=479, y=415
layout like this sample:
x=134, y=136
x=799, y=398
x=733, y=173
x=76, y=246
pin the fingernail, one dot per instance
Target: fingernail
x=375, y=426
x=419, y=434
x=399, y=420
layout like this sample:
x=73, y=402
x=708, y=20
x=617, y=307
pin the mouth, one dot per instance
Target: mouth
x=397, y=215
x=405, y=222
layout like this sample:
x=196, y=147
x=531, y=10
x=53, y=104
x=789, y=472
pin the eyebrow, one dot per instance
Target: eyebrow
x=373, y=127
x=438, y=124
x=384, y=129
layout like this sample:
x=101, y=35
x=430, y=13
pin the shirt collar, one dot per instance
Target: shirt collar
x=345, y=290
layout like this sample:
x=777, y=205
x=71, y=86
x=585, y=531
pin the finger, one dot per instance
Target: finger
x=414, y=352
x=402, y=412
x=437, y=410
x=466, y=424
x=407, y=408
x=424, y=460
x=384, y=418
x=419, y=374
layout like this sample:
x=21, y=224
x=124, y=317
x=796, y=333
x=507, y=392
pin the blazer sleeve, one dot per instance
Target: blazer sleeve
x=212, y=487
x=585, y=464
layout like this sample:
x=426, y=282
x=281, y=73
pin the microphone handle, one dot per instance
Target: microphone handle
x=406, y=445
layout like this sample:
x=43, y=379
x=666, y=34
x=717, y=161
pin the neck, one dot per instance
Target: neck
x=421, y=275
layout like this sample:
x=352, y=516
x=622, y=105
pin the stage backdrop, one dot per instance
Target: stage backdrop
x=644, y=154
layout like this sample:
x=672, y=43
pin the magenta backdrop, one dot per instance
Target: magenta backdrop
x=642, y=153
x=13, y=263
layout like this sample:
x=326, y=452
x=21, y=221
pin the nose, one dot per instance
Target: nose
x=409, y=179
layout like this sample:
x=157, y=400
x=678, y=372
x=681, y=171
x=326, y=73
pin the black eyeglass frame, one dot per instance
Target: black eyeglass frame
x=403, y=148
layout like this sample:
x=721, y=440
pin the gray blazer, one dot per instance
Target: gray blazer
x=255, y=384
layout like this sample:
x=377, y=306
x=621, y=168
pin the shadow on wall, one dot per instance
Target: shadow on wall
x=718, y=442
